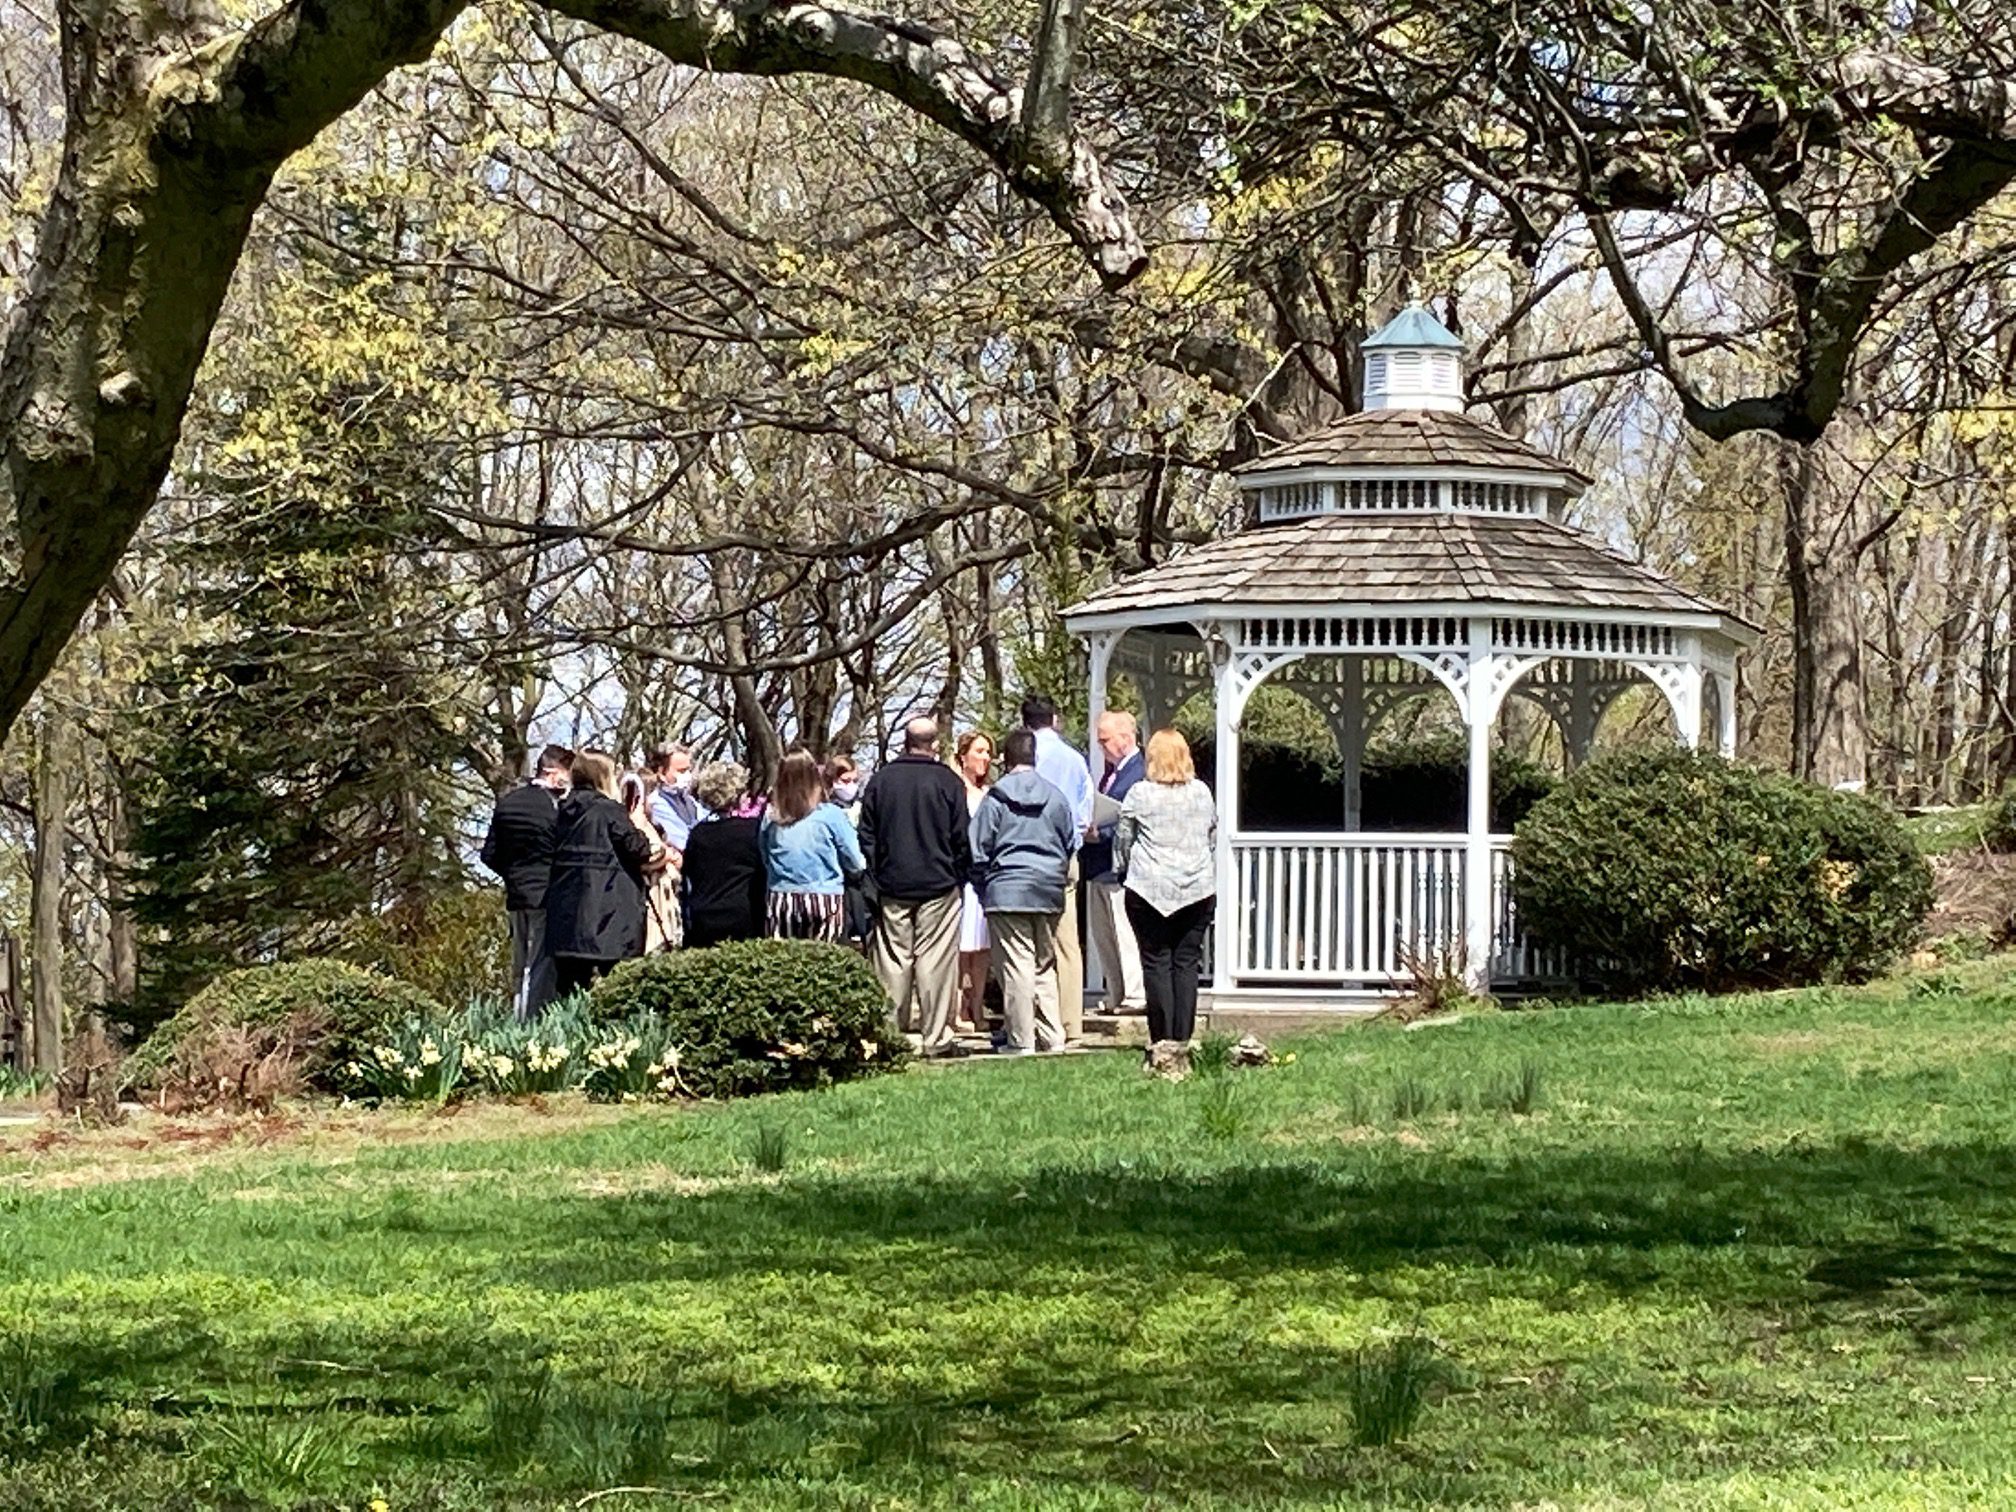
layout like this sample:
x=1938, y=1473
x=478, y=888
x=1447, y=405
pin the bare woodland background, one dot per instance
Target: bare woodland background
x=754, y=410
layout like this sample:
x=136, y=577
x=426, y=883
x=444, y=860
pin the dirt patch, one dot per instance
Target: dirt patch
x=1974, y=892
x=1792, y=1042
x=637, y=1180
x=53, y=1156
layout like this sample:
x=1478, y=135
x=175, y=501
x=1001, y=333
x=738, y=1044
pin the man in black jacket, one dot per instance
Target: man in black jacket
x=914, y=838
x=519, y=848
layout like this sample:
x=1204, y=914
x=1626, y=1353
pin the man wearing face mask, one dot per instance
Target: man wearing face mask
x=913, y=836
x=673, y=809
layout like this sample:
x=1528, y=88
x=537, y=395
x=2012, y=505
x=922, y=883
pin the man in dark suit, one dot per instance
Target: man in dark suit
x=519, y=848
x=1105, y=898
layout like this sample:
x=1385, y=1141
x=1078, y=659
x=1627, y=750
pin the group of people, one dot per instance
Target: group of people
x=944, y=872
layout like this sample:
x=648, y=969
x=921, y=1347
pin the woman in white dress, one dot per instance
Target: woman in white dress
x=974, y=759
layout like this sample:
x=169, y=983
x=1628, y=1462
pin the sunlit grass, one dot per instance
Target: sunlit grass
x=1695, y=1253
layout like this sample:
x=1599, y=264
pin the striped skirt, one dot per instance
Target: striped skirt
x=807, y=916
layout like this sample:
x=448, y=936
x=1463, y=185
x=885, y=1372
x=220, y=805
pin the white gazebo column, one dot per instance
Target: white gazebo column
x=1100, y=644
x=1230, y=917
x=1725, y=714
x=1685, y=691
x=1479, y=710
x=1685, y=695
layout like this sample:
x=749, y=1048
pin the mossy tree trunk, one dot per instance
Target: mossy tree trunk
x=1830, y=727
x=175, y=125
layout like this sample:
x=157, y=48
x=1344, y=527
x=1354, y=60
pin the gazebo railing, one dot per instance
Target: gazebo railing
x=1516, y=956
x=1361, y=908
x=1333, y=906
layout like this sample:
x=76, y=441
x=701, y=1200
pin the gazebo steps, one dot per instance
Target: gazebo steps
x=1262, y=1011
x=1268, y=1011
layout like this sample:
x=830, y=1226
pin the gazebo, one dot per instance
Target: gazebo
x=1401, y=553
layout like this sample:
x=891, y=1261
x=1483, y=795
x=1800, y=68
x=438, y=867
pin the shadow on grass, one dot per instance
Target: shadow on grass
x=1864, y=1215
x=1220, y=1408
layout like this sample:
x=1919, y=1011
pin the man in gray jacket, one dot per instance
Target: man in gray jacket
x=1023, y=840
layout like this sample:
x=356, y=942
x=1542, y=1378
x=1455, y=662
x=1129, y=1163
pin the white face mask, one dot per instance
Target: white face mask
x=845, y=792
x=680, y=782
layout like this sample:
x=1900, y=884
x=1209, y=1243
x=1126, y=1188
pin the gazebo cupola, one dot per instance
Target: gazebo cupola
x=1407, y=551
x=1413, y=362
x=1411, y=448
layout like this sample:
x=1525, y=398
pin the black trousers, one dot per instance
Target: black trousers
x=574, y=974
x=1172, y=953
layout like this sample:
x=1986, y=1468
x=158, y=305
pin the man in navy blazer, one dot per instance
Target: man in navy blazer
x=519, y=848
x=1105, y=899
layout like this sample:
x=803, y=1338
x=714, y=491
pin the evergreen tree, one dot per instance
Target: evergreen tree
x=300, y=733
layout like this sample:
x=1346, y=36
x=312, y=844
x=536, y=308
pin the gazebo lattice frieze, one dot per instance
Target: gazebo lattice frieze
x=1405, y=551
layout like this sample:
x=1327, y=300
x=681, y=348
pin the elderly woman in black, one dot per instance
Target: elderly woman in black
x=726, y=889
x=595, y=900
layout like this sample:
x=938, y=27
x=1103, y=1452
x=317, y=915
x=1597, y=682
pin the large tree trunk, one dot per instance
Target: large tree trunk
x=1830, y=735
x=122, y=936
x=1887, y=762
x=52, y=839
x=174, y=126
x=1961, y=581
x=2006, y=753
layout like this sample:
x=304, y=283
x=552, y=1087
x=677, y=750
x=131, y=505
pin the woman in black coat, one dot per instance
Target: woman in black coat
x=595, y=900
x=726, y=890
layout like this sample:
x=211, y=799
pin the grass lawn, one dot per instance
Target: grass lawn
x=1753, y=1252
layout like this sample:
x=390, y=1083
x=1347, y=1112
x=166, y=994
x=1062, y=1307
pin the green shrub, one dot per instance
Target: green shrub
x=333, y=1012
x=758, y=1015
x=1424, y=784
x=455, y=947
x=1677, y=870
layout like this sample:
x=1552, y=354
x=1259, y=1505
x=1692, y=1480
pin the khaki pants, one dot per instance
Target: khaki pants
x=915, y=951
x=1026, y=955
x=1113, y=941
x=1070, y=961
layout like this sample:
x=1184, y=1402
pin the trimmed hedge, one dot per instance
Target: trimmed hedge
x=337, y=1010
x=1677, y=870
x=1417, y=785
x=759, y=1015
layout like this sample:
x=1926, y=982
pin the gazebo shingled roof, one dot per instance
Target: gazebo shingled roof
x=1410, y=438
x=1401, y=558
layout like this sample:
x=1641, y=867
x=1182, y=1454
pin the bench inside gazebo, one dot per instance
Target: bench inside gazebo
x=1409, y=551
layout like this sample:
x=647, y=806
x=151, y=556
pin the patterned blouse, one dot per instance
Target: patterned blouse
x=1164, y=845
